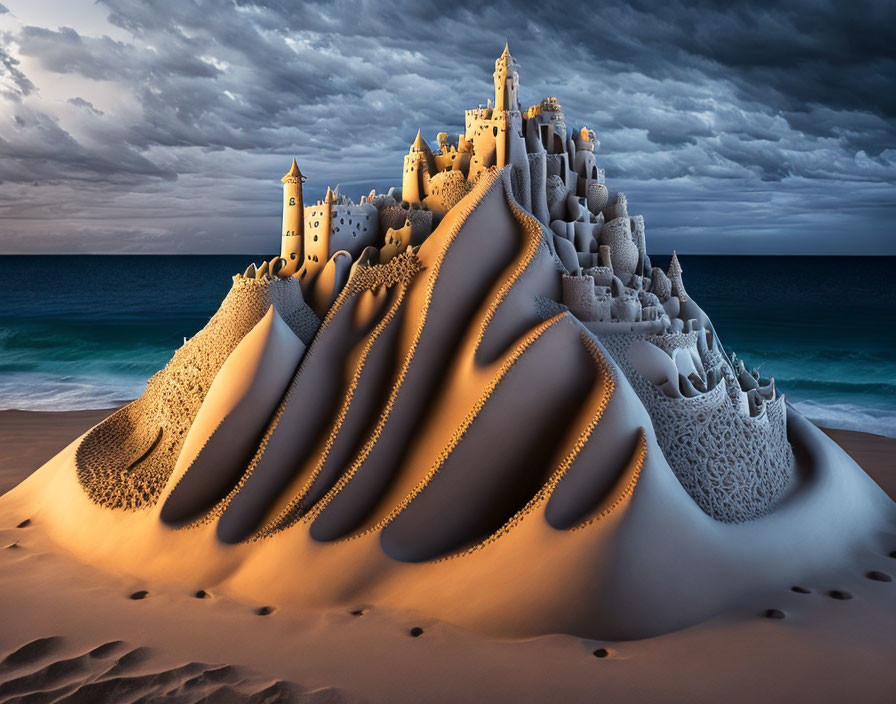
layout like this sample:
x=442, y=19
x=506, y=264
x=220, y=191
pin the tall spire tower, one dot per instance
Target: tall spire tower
x=418, y=167
x=675, y=272
x=507, y=79
x=293, y=221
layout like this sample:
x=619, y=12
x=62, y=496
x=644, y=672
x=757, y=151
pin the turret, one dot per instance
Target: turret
x=419, y=165
x=396, y=241
x=317, y=241
x=293, y=231
x=507, y=80
x=674, y=275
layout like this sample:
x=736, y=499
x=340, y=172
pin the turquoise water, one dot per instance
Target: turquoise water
x=87, y=331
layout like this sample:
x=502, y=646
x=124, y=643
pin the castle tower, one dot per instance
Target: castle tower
x=507, y=79
x=418, y=167
x=674, y=275
x=501, y=147
x=292, y=236
x=317, y=241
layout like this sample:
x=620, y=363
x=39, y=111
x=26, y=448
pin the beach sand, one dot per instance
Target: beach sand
x=30, y=438
x=71, y=631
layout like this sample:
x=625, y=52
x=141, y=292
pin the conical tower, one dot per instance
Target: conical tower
x=507, y=79
x=674, y=275
x=293, y=231
x=418, y=168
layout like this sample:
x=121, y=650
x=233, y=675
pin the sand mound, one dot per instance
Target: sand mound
x=453, y=441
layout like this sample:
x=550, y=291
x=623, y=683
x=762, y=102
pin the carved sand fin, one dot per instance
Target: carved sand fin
x=235, y=411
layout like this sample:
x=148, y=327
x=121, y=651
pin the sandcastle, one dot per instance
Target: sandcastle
x=477, y=375
x=723, y=429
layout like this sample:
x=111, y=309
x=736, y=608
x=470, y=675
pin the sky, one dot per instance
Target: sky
x=164, y=126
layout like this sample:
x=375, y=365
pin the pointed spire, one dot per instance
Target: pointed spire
x=674, y=266
x=419, y=142
x=293, y=172
x=331, y=196
x=506, y=80
x=675, y=272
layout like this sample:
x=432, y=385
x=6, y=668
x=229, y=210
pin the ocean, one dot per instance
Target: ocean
x=82, y=332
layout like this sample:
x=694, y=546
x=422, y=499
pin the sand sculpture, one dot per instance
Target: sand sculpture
x=473, y=396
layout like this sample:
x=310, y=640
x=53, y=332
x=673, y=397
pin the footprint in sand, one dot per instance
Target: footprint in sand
x=416, y=632
x=142, y=594
x=264, y=610
x=878, y=576
x=25, y=523
x=202, y=594
x=774, y=614
x=839, y=595
x=601, y=653
x=801, y=590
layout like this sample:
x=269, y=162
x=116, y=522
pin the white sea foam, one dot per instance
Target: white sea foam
x=847, y=416
x=37, y=391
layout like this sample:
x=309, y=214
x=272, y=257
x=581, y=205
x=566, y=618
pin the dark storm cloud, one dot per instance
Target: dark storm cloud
x=43, y=151
x=792, y=103
x=65, y=51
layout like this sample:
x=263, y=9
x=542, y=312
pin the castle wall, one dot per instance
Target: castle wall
x=350, y=226
x=453, y=160
x=354, y=227
x=482, y=130
x=550, y=128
